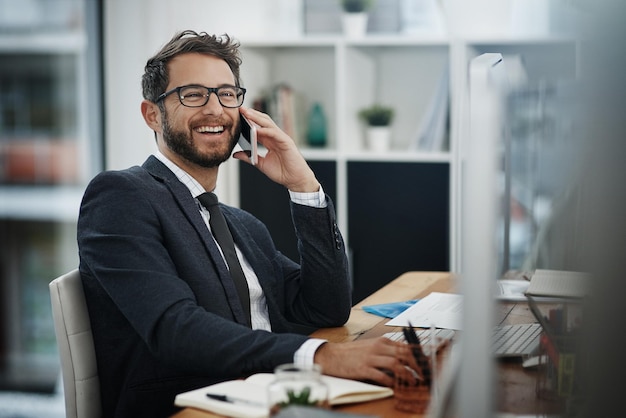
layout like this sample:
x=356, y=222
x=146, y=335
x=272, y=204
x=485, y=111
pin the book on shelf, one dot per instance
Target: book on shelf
x=252, y=393
x=433, y=127
x=287, y=107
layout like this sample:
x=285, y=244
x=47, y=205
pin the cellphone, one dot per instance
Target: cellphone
x=247, y=139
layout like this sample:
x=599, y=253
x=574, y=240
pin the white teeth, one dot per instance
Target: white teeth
x=213, y=129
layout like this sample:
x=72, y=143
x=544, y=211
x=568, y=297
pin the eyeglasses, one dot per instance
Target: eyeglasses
x=198, y=96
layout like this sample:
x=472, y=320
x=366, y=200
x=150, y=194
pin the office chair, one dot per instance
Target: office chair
x=72, y=327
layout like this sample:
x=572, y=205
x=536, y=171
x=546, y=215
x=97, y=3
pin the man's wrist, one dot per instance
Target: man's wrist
x=316, y=199
x=305, y=355
x=311, y=186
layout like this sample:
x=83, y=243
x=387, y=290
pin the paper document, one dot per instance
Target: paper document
x=443, y=310
x=511, y=290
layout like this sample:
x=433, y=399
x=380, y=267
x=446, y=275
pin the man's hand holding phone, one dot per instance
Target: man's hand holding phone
x=281, y=161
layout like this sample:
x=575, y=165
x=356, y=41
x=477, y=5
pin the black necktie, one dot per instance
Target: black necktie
x=225, y=240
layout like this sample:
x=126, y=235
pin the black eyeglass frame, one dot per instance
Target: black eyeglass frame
x=206, y=97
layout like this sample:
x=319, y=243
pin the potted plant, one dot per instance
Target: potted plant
x=356, y=6
x=378, y=120
x=377, y=115
x=354, y=17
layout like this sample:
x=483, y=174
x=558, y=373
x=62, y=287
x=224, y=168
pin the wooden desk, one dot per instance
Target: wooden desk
x=516, y=385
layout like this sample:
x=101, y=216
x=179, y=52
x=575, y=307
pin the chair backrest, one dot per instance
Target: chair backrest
x=72, y=327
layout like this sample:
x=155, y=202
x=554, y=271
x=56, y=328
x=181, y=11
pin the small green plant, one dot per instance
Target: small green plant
x=356, y=6
x=301, y=398
x=377, y=115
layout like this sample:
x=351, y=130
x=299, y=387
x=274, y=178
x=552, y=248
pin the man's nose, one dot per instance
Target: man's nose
x=213, y=104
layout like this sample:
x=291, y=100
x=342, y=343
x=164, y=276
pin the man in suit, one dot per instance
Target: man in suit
x=165, y=312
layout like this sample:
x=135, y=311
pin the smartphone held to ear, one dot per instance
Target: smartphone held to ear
x=247, y=139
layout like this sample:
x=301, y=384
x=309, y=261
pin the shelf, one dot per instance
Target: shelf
x=365, y=155
x=320, y=154
x=297, y=42
x=520, y=40
x=335, y=40
x=44, y=43
x=397, y=40
x=53, y=203
x=373, y=40
x=399, y=156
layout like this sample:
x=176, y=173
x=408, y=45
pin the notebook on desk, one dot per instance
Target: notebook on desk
x=558, y=283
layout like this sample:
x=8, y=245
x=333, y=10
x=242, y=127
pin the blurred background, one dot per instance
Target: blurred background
x=51, y=142
x=69, y=107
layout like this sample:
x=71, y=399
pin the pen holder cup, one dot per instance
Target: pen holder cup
x=297, y=385
x=412, y=387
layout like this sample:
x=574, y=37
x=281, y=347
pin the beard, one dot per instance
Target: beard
x=181, y=142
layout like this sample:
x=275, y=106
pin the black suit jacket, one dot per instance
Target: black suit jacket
x=165, y=314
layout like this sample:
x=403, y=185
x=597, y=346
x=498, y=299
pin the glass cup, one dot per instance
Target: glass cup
x=297, y=385
x=412, y=387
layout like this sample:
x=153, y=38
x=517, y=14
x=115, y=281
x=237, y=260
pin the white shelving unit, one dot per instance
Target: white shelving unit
x=403, y=71
x=345, y=76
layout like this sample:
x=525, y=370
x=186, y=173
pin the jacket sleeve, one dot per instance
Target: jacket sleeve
x=316, y=292
x=323, y=295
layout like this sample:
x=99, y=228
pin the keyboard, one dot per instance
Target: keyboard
x=520, y=340
x=442, y=336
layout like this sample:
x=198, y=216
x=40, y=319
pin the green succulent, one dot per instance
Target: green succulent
x=301, y=398
x=356, y=6
x=377, y=115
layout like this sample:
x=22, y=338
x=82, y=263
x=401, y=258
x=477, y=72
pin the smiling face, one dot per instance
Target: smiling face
x=194, y=137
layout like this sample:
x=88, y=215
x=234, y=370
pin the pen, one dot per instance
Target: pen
x=230, y=399
x=418, y=353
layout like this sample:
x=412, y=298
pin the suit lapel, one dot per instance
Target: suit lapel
x=190, y=209
x=244, y=241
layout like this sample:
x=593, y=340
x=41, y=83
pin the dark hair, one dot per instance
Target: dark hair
x=155, y=78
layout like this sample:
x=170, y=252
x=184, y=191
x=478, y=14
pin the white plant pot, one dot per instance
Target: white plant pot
x=354, y=24
x=378, y=138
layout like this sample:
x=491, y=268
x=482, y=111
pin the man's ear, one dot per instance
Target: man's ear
x=151, y=114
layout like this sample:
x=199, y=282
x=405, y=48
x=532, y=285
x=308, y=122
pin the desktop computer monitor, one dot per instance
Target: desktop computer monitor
x=490, y=178
x=467, y=381
x=481, y=193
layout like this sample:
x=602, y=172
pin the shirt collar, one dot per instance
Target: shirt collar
x=192, y=184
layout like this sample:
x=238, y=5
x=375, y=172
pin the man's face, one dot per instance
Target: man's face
x=201, y=136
